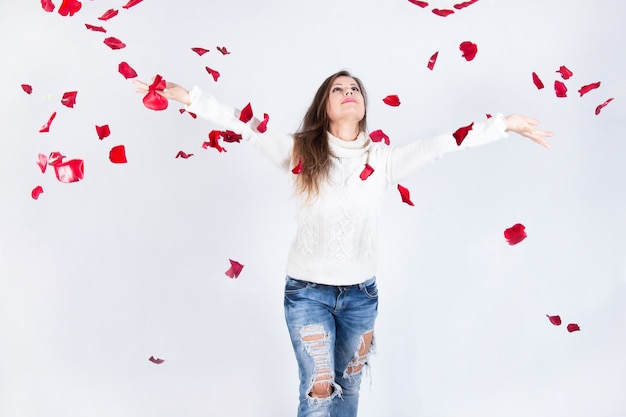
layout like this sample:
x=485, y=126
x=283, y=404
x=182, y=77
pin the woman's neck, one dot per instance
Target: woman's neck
x=344, y=131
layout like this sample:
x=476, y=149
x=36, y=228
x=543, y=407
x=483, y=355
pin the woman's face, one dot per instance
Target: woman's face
x=345, y=101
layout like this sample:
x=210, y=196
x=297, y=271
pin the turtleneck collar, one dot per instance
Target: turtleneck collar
x=349, y=149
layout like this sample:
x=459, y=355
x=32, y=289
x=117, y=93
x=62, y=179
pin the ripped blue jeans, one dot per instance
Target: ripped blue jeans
x=329, y=326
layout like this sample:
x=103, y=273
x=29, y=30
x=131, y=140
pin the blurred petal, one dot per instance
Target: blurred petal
x=47, y=5
x=95, y=28
x=126, y=70
x=443, y=12
x=392, y=100
x=103, y=131
x=565, y=73
x=46, y=127
x=42, y=161
x=246, y=113
x=603, y=105
x=69, y=7
x=405, y=195
x=515, y=234
x=214, y=136
x=230, y=136
x=560, y=89
x=460, y=134
x=235, y=269
x=556, y=320
x=378, y=136
x=223, y=50
x=27, y=88
x=117, y=154
x=587, y=88
x=109, y=14
x=464, y=4
x=367, y=171
x=69, y=98
x=537, y=81
x=114, y=43
x=262, y=127
x=55, y=158
x=200, y=51
x=421, y=4
x=298, y=168
x=573, y=327
x=131, y=3
x=469, y=50
x=432, y=60
x=213, y=73
x=70, y=171
x=183, y=155
x=36, y=192
x=158, y=361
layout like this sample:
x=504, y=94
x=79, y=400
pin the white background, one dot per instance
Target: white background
x=97, y=276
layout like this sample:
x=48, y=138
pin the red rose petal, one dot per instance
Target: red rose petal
x=230, y=136
x=42, y=161
x=587, y=88
x=114, y=43
x=392, y=100
x=603, y=105
x=246, y=113
x=109, y=14
x=223, y=50
x=55, y=158
x=117, y=154
x=367, y=171
x=36, y=192
x=560, y=89
x=469, y=50
x=378, y=136
x=556, y=320
x=95, y=28
x=131, y=3
x=488, y=116
x=27, y=88
x=103, y=131
x=153, y=100
x=565, y=72
x=214, y=135
x=70, y=171
x=158, y=361
x=537, y=81
x=298, y=168
x=573, y=327
x=193, y=115
x=460, y=134
x=200, y=51
x=183, y=155
x=262, y=127
x=213, y=73
x=464, y=4
x=421, y=4
x=443, y=12
x=69, y=7
x=515, y=234
x=405, y=195
x=126, y=70
x=432, y=60
x=235, y=269
x=47, y=5
x=69, y=99
x=46, y=127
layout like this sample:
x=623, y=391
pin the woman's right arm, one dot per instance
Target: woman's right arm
x=276, y=146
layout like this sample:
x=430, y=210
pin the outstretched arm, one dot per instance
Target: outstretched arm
x=525, y=126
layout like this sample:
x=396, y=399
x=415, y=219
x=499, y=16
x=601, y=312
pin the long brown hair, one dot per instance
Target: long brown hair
x=311, y=141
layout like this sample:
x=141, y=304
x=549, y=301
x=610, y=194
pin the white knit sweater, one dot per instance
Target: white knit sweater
x=335, y=242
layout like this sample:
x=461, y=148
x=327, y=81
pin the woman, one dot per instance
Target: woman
x=330, y=297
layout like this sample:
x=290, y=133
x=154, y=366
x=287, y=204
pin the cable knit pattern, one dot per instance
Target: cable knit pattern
x=335, y=242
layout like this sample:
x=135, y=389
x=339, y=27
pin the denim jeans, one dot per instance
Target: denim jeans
x=327, y=325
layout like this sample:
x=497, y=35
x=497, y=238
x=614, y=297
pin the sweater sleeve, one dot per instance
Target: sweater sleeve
x=276, y=146
x=403, y=161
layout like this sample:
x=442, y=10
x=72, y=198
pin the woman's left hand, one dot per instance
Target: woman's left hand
x=525, y=126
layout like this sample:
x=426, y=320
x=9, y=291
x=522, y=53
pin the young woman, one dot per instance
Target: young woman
x=330, y=297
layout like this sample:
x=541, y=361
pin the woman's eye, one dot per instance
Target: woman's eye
x=336, y=89
x=355, y=88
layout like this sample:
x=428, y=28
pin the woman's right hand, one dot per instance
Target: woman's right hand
x=172, y=91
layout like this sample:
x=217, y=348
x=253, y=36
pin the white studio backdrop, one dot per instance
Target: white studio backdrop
x=98, y=275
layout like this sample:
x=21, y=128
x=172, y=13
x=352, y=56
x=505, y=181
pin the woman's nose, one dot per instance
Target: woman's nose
x=349, y=91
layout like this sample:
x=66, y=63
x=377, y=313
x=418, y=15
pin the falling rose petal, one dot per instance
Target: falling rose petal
x=46, y=127
x=603, y=105
x=378, y=136
x=200, y=51
x=70, y=171
x=103, y=131
x=560, y=89
x=223, y=50
x=55, y=158
x=432, y=60
x=230, y=136
x=131, y=3
x=460, y=134
x=69, y=99
x=262, y=127
x=193, y=115
x=214, y=74
x=114, y=43
x=443, y=12
x=298, y=168
x=515, y=234
x=565, y=73
x=556, y=320
x=158, y=361
x=126, y=70
x=183, y=155
x=36, y=192
x=95, y=28
x=573, y=327
x=406, y=196
x=235, y=269
x=537, y=81
x=367, y=171
x=464, y=4
x=587, y=88
x=47, y=5
x=421, y=4
x=27, y=88
x=109, y=14
x=469, y=50
x=214, y=136
x=69, y=7
x=488, y=116
x=42, y=161
x=246, y=113
x=153, y=100
x=392, y=100
x=117, y=154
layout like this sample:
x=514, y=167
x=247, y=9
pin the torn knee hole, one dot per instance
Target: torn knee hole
x=361, y=355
